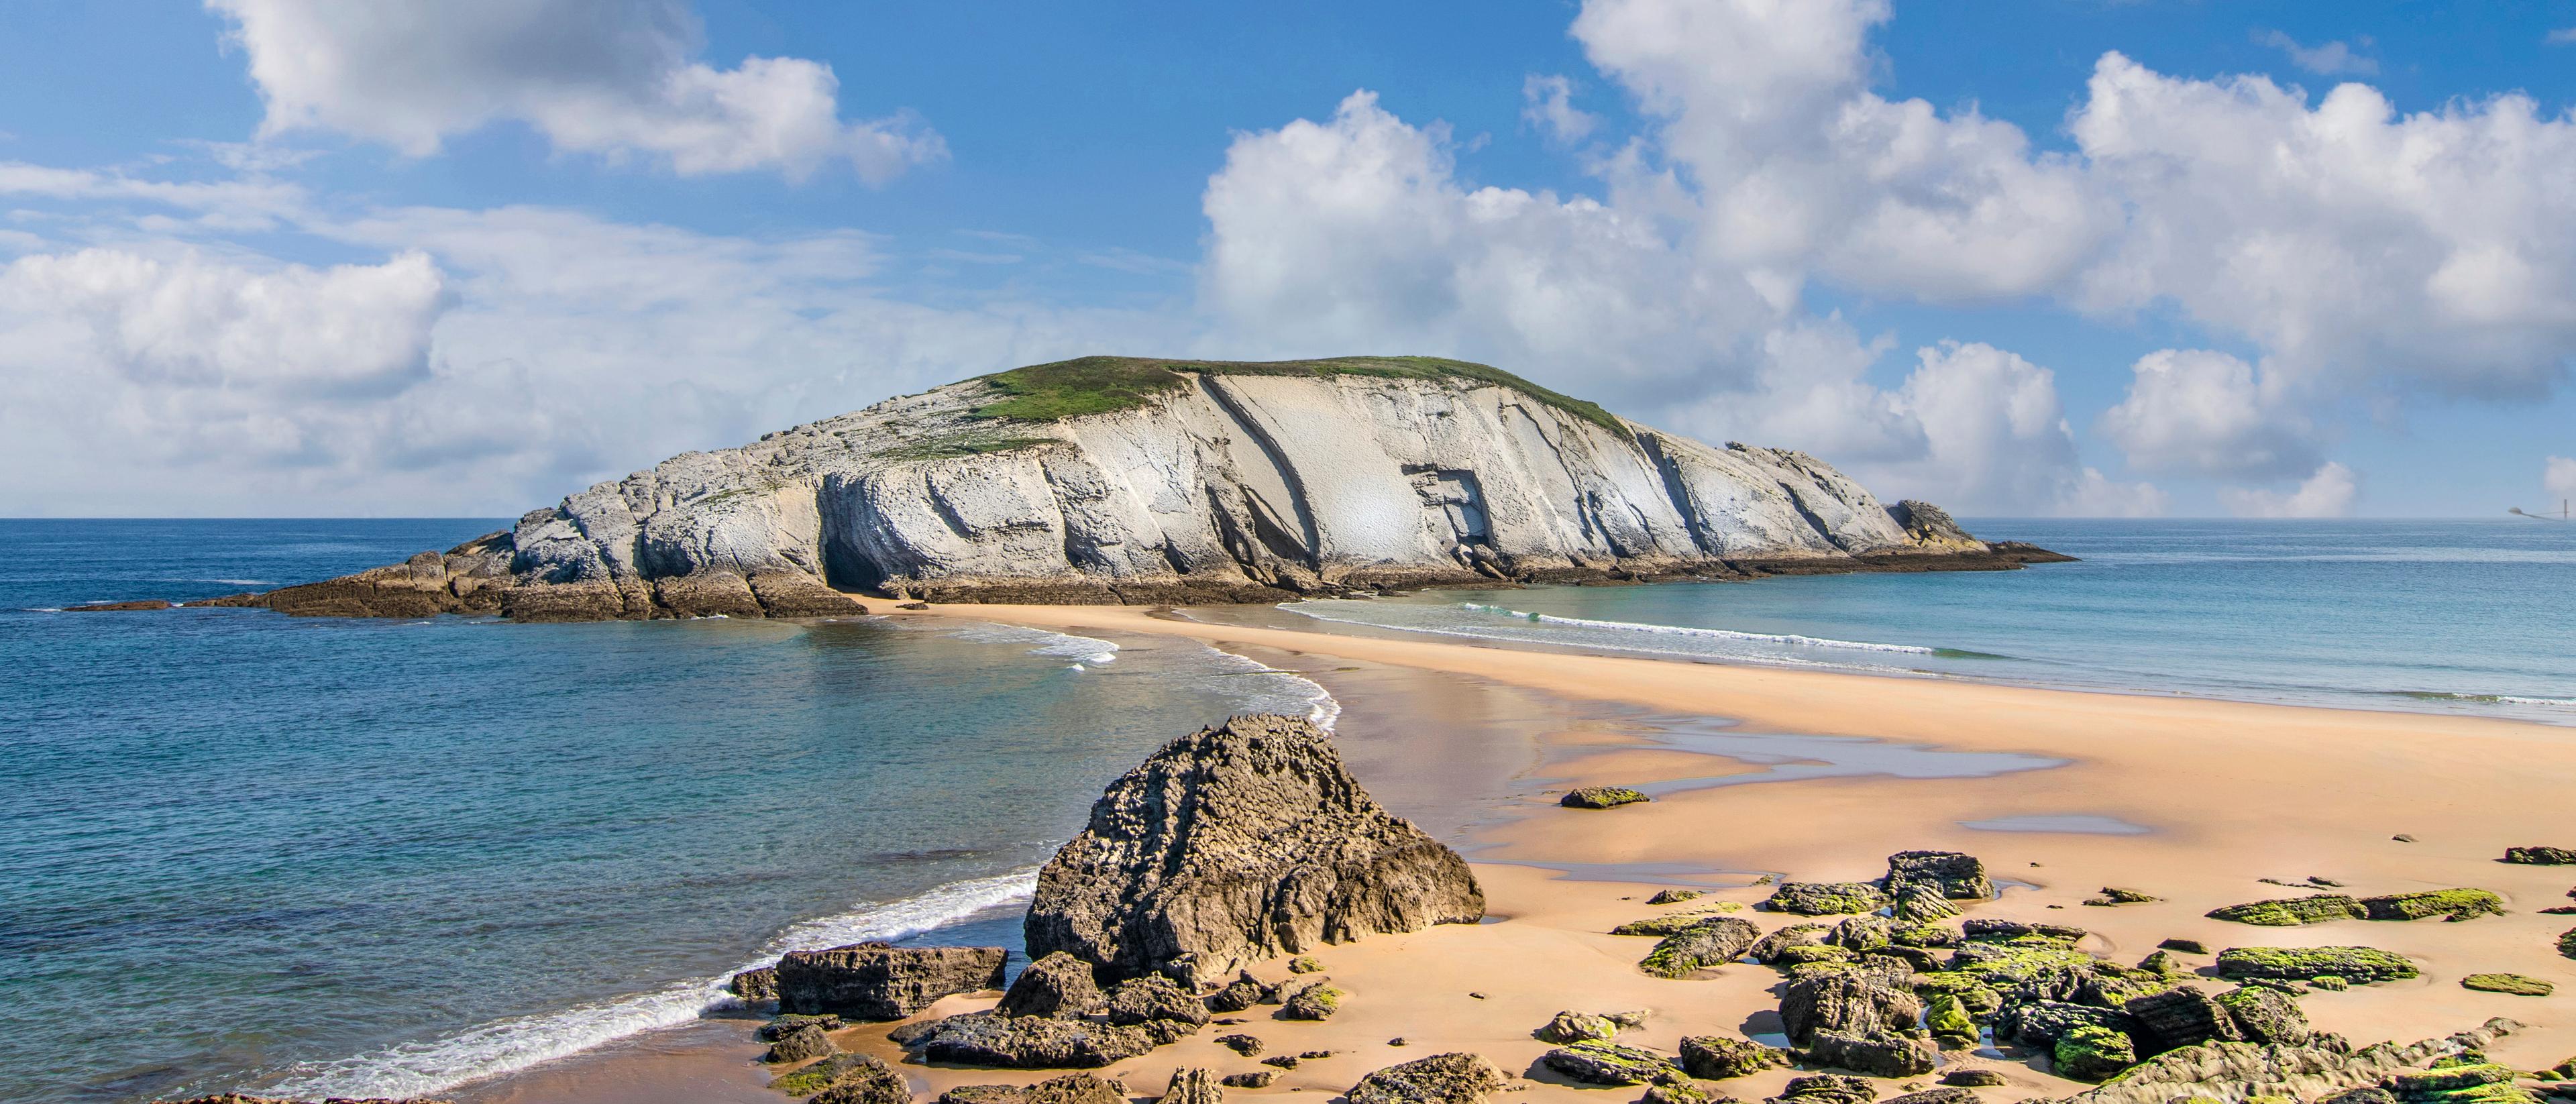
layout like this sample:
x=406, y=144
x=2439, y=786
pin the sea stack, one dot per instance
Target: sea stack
x=1235, y=844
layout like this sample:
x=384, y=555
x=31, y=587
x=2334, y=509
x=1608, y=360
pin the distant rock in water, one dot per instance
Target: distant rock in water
x=1235, y=844
x=1120, y=479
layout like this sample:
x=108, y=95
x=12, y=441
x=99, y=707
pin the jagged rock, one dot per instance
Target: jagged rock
x=1241, y=993
x=2266, y=1015
x=1673, y=1088
x=1949, y=1021
x=2541, y=856
x=1601, y=797
x=1245, y=1045
x=2114, y=895
x=1922, y=904
x=1826, y=1088
x=1193, y=1085
x=2516, y=984
x=1995, y=930
x=2361, y=965
x=1576, y=1027
x=1603, y=1063
x=2178, y=1017
x=1058, y=985
x=1860, y=934
x=1660, y=926
x=1879, y=1055
x=1979, y=999
x=1314, y=1002
x=2038, y=1024
x=1717, y=1057
x=1305, y=964
x=1851, y=1003
x=1256, y=1079
x=1150, y=998
x=2450, y=904
x=1769, y=949
x=880, y=981
x=800, y=1043
x=778, y=1028
x=2092, y=1054
x=847, y=1079
x=1032, y=1042
x=1673, y=896
x=2239, y=1071
x=1955, y=876
x=1113, y=479
x=1235, y=844
x=1072, y=1088
x=2465, y=1083
x=1715, y=941
x=1455, y=1078
x=755, y=986
x=1282, y=1061
x=1974, y=1078
x=1826, y=898
x=1923, y=935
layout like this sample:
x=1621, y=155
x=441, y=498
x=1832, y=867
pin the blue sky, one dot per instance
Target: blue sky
x=294, y=257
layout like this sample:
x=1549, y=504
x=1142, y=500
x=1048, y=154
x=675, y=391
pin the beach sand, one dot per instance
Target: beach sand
x=2192, y=801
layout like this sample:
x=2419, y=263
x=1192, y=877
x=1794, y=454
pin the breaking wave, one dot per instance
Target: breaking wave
x=1680, y=630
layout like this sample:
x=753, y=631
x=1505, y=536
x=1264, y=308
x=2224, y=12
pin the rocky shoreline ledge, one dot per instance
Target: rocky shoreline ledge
x=1123, y=480
x=1215, y=881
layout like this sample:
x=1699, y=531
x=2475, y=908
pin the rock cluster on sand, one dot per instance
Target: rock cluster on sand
x=2450, y=904
x=1239, y=843
x=2541, y=856
x=880, y=981
x=1601, y=797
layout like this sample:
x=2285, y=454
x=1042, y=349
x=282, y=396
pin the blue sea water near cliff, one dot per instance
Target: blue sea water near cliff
x=239, y=850
x=2456, y=616
x=380, y=857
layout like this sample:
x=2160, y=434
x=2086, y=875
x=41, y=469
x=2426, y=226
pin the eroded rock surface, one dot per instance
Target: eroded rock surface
x=1236, y=844
x=880, y=981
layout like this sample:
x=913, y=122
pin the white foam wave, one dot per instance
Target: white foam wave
x=1489, y=634
x=1683, y=630
x=415, y=1069
x=1081, y=649
x=1294, y=689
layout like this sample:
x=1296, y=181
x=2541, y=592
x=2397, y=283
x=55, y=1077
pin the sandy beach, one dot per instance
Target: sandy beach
x=1816, y=777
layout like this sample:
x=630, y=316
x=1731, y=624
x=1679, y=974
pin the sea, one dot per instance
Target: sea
x=387, y=857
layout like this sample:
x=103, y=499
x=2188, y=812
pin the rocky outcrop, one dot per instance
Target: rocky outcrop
x=1717, y=1057
x=1708, y=943
x=1457, y=1078
x=1949, y=875
x=2234, y=1072
x=1057, y=986
x=1113, y=479
x=880, y=981
x=1825, y=898
x=1032, y=1042
x=1235, y=844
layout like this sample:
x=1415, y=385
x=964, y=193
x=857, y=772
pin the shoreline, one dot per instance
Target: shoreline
x=2279, y=806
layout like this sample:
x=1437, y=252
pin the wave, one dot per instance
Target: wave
x=1484, y=634
x=2479, y=699
x=1081, y=649
x=504, y=1046
x=1714, y=634
x=1317, y=703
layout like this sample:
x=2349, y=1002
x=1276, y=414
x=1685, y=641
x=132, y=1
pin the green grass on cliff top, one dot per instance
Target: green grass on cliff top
x=1102, y=384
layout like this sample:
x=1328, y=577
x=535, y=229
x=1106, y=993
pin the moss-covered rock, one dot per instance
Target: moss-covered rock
x=1826, y=898
x=1314, y=1002
x=1712, y=942
x=2094, y=1054
x=1673, y=1088
x=2567, y=943
x=1673, y=896
x=2186, y=946
x=1661, y=926
x=1974, y=995
x=2541, y=856
x=1719, y=1057
x=1826, y=1088
x=2266, y=1016
x=2516, y=984
x=1948, y=1019
x=2009, y=964
x=2454, y=904
x=2290, y=912
x=1604, y=1063
x=2482, y=1083
x=1576, y=1027
x=1601, y=797
x=2365, y=965
x=1923, y=935
x=2164, y=963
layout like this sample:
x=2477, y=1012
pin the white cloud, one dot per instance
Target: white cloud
x=2198, y=412
x=610, y=77
x=1548, y=104
x=2563, y=36
x=2324, y=59
x=2558, y=477
x=2328, y=493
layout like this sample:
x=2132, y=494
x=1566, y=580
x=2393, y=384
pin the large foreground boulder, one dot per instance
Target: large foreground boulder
x=1235, y=844
x=880, y=981
x=1459, y=1078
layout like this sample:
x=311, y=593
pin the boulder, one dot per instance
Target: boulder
x=2178, y=1017
x=1826, y=1088
x=1314, y=1002
x=1953, y=1094
x=1717, y=1057
x=1576, y=1027
x=864, y=1080
x=1193, y=1085
x=1152, y=997
x=1673, y=896
x=1455, y=1078
x=1601, y=797
x=1673, y=1088
x=1948, y=1019
x=2359, y=965
x=1241, y=993
x=778, y=1028
x=805, y=1041
x=1604, y=1063
x=1950, y=874
x=1032, y=1042
x=2114, y=895
x=2266, y=1015
x=2186, y=946
x=1849, y=1003
x=1711, y=942
x=1234, y=844
x=755, y=986
x=1057, y=986
x=2241, y=1071
x=2092, y=1054
x=2038, y=1024
x=1771, y=949
x=1922, y=904
x=1862, y=933
x=2541, y=856
x=1826, y=898
x=1975, y=1078
x=1881, y=1055
x=2517, y=984
x=1256, y=1079
x=1245, y=1045
x=1072, y=1088
x=2449, y=904
x=880, y=981
x=1996, y=930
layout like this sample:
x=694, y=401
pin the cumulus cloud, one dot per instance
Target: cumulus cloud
x=2199, y=412
x=2324, y=59
x=610, y=77
x=2328, y=493
x=1548, y=104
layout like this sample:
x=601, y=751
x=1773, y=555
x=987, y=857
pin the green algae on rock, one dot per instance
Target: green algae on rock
x=2290, y=912
x=1826, y=898
x=1714, y=941
x=2516, y=984
x=1603, y=1063
x=2091, y=1053
x=1601, y=797
x=2452, y=904
x=2360, y=965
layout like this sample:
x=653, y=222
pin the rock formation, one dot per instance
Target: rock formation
x=879, y=981
x=1235, y=844
x=1110, y=479
x=1458, y=1078
x=2234, y=1072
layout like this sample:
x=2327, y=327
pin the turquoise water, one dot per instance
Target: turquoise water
x=379, y=857
x=2473, y=617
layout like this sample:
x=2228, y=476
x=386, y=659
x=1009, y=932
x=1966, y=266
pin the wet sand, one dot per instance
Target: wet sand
x=1819, y=776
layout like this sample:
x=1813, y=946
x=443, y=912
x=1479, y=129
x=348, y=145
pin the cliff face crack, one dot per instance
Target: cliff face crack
x=1277, y=458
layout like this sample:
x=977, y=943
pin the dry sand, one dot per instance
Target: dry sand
x=1477, y=741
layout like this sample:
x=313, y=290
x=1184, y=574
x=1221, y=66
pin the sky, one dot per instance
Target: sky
x=2018, y=257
